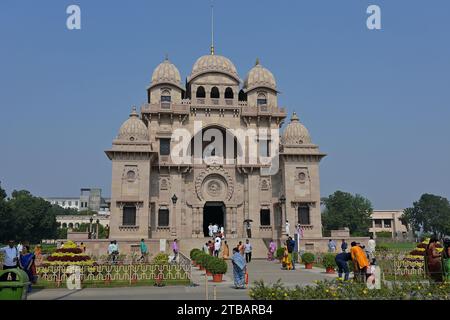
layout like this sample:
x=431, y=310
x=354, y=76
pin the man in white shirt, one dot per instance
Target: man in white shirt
x=248, y=251
x=20, y=247
x=215, y=229
x=217, y=245
x=10, y=256
x=287, y=227
x=210, y=230
x=371, y=245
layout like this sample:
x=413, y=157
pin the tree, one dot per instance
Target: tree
x=30, y=218
x=342, y=209
x=5, y=217
x=431, y=212
x=2, y=192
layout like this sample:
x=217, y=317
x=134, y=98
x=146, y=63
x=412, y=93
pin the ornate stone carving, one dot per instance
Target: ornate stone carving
x=265, y=184
x=214, y=183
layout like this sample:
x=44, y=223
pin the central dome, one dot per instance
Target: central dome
x=214, y=63
x=166, y=73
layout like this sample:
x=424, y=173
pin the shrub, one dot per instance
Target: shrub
x=384, y=234
x=161, y=258
x=329, y=261
x=308, y=258
x=201, y=259
x=207, y=260
x=279, y=253
x=382, y=247
x=193, y=253
x=217, y=266
x=347, y=290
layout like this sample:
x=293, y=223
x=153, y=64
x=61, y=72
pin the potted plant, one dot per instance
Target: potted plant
x=201, y=260
x=194, y=255
x=329, y=262
x=218, y=267
x=308, y=259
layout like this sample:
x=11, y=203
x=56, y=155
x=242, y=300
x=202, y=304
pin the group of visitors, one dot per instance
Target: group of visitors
x=215, y=231
x=438, y=262
x=363, y=260
x=20, y=256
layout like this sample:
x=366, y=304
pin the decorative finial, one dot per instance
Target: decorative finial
x=257, y=62
x=133, y=112
x=166, y=57
x=294, y=116
x=212, y=27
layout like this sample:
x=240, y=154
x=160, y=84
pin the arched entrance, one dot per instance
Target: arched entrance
x=213, y=212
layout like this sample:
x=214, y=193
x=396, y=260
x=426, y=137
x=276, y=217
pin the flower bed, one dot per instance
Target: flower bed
x=344, y=290
x=69, y=254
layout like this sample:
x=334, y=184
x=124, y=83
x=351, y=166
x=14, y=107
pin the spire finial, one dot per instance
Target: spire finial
x=257, y=62
x=212, y=27
x=294, y=116
x=166, y=56
x=133, y=111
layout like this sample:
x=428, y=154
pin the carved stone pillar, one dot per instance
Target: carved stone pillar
x=234, y=230
x=229, y=221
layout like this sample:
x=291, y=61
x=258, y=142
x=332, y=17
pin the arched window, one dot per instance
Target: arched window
x=71, y=225
x=242, y=95
x=129, y=215
x=201, y=92
x=165, y=96
x=229, y=93
x=77, y=225
x=64, y=225
x=215, y=93
x=262, y=100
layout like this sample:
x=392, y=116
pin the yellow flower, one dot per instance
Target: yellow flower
x=327, y=290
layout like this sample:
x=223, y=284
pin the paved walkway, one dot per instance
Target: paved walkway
x=270, y=272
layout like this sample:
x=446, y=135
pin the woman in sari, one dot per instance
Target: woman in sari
x=287, y=261
x=38, y=254
x=239, y=268
x=434, y=261
x=26, y=263
x=226, y=251
x=272, y=249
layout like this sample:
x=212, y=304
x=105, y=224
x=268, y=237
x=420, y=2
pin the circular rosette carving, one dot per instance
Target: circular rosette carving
x=214, y=184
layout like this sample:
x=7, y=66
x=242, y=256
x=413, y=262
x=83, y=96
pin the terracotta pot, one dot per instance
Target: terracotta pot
x=330, y=270
x=308, y=265
x=208, y=273
x=217, y=277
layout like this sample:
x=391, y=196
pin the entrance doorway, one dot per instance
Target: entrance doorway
x=214, y=213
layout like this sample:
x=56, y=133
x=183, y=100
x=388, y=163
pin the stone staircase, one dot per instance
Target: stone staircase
x=260, y=245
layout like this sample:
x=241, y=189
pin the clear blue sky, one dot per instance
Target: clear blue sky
x=378, y=102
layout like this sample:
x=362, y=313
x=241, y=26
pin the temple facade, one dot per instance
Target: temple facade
x=212, y=151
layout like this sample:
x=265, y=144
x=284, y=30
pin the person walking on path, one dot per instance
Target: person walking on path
x=241, y=248
x=210, y=230
x=342, y=260
x=344, y=246
x=272, y=249
x=226, y=251
x=144, y=251
x=248, y=251
x=248, y=227
x=175, y=250
x=239, y=269
x=217, y=245
x=360, y=262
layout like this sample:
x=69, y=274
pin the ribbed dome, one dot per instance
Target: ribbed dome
x=296, y=133
x=166, y=72
x=133, y=129
x=259, y=76
x=214, y=63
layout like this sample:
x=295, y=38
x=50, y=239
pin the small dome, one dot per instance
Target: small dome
x=133, y=129
x=214, y=63
x=167, y=73
x=295, y=133
x=259, y=76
